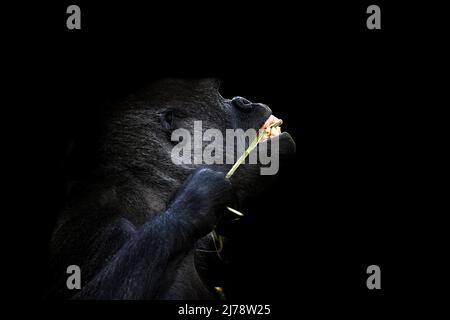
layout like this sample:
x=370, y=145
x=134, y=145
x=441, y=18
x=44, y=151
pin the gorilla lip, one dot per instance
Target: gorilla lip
x=271, y=128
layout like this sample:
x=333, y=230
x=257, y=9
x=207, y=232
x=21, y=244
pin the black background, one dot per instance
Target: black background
x=345, y=93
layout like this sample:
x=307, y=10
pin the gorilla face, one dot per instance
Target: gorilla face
x=137, y=137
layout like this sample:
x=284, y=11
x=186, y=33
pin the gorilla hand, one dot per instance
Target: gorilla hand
x=201, y=201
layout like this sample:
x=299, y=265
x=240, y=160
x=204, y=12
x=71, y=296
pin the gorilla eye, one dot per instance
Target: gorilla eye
x=167, y=120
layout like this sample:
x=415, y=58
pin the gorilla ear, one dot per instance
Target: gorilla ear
x=166, y=119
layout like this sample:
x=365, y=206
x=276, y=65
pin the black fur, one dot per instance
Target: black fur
x=134, y=221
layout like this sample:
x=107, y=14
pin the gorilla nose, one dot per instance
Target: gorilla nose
x=242, y=104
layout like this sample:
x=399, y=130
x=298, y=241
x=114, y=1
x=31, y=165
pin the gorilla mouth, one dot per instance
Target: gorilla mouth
x=271, y=128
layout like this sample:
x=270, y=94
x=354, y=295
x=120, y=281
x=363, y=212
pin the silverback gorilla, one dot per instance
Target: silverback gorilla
x=136, y=223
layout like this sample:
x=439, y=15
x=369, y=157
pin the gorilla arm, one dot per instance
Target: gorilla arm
x=147, y=263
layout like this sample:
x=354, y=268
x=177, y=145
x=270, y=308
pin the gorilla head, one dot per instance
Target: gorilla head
x=134, y=227
x=137, y=136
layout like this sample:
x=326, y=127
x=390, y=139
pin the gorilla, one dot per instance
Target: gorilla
x=137, y=224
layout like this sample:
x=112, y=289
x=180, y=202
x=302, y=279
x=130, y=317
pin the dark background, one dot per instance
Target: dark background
x=345, y=93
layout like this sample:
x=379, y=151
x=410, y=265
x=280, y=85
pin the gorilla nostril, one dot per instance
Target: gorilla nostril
x=245, y=101
x=242, y=103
